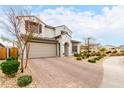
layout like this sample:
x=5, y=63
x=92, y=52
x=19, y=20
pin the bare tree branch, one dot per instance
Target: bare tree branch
x=12, y=24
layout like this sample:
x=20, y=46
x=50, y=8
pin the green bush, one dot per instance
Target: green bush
x=98, y=54
x=24, y=80
x=9, y=68
x=79, y=58
x=77, y=55
x=9, y=59
x=84, y=53
x=121, y=54
x=108, y=52
x=114, y=52
x=96, y=58
x=100, y=57
x=92, y=54
x=92, y=61
x=12, y=58
x=83, y=57
x=118, y=54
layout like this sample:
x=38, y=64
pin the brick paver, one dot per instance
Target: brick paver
x=66, y=72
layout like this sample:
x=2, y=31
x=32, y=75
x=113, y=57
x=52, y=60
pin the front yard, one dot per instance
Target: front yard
x=65, y=72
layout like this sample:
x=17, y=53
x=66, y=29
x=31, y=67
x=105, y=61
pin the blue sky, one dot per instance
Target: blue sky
x=104, y=23
x=78, y=8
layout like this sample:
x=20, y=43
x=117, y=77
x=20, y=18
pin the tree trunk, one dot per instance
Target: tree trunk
x=27, y=53
x=22, y=68
x=22, y=60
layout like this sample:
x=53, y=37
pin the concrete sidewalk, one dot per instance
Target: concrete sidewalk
x=113, y=73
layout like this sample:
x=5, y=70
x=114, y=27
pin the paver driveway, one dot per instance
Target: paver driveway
x=66, y=72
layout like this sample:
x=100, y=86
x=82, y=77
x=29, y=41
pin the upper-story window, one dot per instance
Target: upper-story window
x=33, y=26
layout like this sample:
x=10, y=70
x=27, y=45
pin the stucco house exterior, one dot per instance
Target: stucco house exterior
x=109, y=47
x=115, y=48
x=49, y=41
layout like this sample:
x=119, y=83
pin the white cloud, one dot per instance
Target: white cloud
x=107, y=27
x=109, y=24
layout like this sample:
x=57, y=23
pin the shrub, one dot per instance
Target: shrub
x=77, y=55
x=108, y=52
x=119, y=54
x=9, y=59
x=12, y=58
x=79, y=58
x=92, y=61
x=9, y=68
x=93, y=54
x=98, y=54
x=83, y=57
x=100, y=57
x=113, y=54
x=24, y=80
x=115, y=51
x=122, y=54
x=84, y=53
x=121, y=50
x=96, y=58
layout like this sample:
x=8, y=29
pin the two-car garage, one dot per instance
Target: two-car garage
x=42, y=49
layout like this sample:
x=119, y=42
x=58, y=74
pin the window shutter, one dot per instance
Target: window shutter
x=40, y=28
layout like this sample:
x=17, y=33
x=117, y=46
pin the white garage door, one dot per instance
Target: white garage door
x=42, y=50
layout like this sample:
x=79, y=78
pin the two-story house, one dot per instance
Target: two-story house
x=49, y=41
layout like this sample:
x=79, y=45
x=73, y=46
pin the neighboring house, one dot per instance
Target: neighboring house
x=6, y=44
x=49, y=41
x=1, y=45
x=120, y=48
x=109, y=47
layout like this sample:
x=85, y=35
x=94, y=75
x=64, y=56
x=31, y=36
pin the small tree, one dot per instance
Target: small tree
x=12, y=23
x=87, y=45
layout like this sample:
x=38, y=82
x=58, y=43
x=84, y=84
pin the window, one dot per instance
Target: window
x=74, y=49
x=33, y=26
x=40, y=28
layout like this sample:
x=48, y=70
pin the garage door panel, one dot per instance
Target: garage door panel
x=42, y=50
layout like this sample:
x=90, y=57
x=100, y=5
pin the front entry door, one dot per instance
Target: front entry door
x=66, y=49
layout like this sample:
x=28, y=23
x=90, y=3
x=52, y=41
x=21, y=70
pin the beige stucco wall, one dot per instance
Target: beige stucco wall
x=48, y=32
x=65, y=39
x=62, y=28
